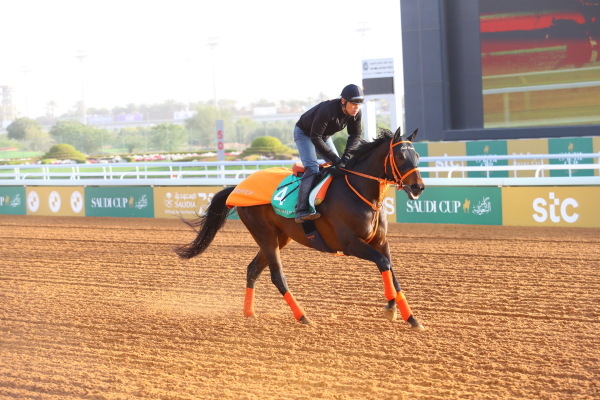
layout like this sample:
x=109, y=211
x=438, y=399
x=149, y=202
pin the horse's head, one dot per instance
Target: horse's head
x=403, y=163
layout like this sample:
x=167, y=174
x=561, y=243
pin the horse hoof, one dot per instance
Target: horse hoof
x=414, y=324
x=417, y=327
x=304, y=320
x=390, y=313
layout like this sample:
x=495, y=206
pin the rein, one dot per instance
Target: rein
x=384, y=184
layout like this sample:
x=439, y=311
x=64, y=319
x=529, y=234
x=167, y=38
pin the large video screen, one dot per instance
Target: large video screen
x=540, y=62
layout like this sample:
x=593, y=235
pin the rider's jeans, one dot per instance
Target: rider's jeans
x=307, y=151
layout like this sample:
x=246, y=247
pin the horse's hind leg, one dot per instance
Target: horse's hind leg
x=255, y=268
x=278, y=279
x=272, y=254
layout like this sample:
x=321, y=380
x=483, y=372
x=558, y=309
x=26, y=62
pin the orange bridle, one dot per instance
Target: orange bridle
x=398, y=177
x=384, y=184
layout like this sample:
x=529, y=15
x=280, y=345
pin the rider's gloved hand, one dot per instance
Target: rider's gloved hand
x=335, y=169
x=345, y=159
x=336, y=162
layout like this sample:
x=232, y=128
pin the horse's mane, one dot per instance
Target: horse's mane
x=365, y=148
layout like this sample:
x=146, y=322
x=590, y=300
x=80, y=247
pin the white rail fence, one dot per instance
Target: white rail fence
x=521, y=170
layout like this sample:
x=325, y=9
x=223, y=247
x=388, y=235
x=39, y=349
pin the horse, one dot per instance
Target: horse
x=351, y=221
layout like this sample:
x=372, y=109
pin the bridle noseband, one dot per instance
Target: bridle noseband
x=398, y=177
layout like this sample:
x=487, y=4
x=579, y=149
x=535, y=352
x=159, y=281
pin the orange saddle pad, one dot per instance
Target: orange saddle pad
x=258, y=188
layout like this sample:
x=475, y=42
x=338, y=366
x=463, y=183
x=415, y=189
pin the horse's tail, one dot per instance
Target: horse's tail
x=207, y=225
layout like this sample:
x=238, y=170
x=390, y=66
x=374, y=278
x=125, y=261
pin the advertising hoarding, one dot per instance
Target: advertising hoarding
x=119, y=202
x=551, y=206
x=12, y=200
x=184, y=202
x=526, y=147
x=487, y=148
x=441, y=149
x=63, y=201
x=571, y=146
x=452, y=205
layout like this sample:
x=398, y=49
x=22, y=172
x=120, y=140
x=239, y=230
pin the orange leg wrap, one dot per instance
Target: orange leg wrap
x=249, y=302
x=388, y=285
x=403, y=306
x=296, y=309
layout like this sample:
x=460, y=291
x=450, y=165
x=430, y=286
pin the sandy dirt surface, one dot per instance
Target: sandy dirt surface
x=101, y=308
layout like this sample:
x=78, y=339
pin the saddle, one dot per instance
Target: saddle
x=279, y=187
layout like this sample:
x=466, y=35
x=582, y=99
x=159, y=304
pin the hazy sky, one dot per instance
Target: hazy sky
x=148, y=52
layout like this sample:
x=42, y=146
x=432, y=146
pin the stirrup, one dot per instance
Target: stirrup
x=305, y=215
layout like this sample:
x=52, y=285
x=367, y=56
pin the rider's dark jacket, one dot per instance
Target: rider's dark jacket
x=327, y=118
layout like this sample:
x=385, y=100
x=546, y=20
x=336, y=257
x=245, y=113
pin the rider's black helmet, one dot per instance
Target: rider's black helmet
x=353, y=94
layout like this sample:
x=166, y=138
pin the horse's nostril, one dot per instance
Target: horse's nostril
x=416, y=187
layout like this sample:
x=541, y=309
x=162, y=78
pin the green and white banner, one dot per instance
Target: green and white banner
x=12, y=200
x=119, y=202
x=452, y=205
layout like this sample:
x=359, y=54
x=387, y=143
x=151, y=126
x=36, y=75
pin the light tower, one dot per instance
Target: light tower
x=212, y=43
x=81, y=56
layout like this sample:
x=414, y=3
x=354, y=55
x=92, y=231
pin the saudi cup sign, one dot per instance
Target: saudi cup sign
x=452, y=205
x=12, y=200
x=119, y=202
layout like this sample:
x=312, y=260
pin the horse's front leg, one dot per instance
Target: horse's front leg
x=391, y=288
x=395, y=297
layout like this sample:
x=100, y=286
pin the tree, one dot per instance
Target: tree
x=29, y=133
x=245, y=128
x=21, y=128
x=168, y=137
x=64, y=152
x=267, y=146
x=202, y=125
x=70, y=131
x=6, y=142
x=88, y=139
x=283, y=130
x=134, y=139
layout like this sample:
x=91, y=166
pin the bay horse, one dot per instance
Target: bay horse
x=351, y=221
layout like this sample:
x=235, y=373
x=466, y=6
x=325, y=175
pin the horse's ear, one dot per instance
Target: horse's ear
x=398, y=134
x=413, y=135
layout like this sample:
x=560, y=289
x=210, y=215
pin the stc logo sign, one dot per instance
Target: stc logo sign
x=556, y=209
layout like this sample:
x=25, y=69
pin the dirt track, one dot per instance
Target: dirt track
x=103, y=309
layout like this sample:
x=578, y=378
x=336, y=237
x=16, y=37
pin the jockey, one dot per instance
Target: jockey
x=313, y=133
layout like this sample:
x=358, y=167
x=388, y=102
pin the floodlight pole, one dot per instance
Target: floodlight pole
x=81, y=56
x=212, y=43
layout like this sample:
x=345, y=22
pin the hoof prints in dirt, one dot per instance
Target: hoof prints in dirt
x=102, y=308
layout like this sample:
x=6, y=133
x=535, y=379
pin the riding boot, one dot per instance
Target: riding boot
x=302, y=208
